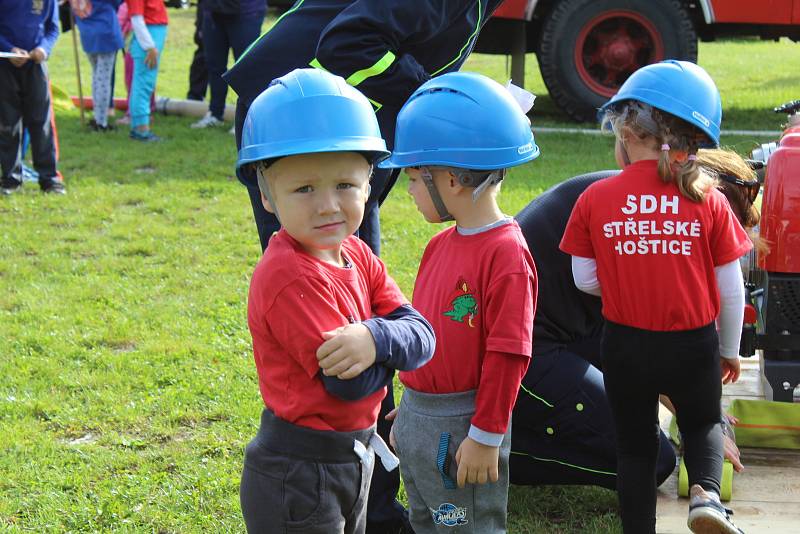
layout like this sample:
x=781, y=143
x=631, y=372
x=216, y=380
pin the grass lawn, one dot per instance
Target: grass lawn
x=129, y=389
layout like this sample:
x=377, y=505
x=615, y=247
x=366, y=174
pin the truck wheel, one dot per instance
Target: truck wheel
x=588, y=48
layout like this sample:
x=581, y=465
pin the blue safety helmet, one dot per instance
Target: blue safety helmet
x=680, y=88
x=310, y=111
x=463, y=120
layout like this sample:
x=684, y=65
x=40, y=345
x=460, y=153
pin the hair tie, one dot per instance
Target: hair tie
x=665, y=147
x=692, y=157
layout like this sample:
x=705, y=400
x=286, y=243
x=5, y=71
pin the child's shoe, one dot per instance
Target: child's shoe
x=93, y=125
x=207, y=121
x=9, y=186
x=707, y=515
x=146, y=136
x=52, y=186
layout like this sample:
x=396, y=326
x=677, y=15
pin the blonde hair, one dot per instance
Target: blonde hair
x=719, y=162
x=675, y=164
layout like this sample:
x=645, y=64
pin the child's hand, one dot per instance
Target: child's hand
x=19, y=61
x=37, y=54
x=347, y=351
x=731, y=453
x=477, y=463
x=151, y=59
x=730, y=370
x=391, y=416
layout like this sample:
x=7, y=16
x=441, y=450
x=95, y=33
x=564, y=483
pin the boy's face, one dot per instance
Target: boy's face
x=419, y=191
x=319, y=199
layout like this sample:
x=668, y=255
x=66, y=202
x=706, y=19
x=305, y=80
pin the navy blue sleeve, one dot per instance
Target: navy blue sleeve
x=363, y=44
x=404, y=340
x=51, y=30
x=365, y=384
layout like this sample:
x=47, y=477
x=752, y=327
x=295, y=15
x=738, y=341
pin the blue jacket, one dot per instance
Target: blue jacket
x=384, y=48
x=28, y=24
x=100, y=31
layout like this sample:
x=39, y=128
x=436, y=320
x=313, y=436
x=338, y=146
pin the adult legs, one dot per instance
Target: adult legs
x=198, y=73
x=216, y=45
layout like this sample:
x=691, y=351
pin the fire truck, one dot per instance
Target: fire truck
x=587, y=48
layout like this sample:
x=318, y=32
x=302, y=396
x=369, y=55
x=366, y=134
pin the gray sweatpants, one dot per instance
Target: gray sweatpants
x=428, y=431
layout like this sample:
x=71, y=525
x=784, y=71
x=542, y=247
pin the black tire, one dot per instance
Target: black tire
x=647, y=30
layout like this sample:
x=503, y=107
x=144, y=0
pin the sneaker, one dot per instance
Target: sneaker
x=146, y=136
x=9, y=186
x=232, y=131
x=123, y=121
x=101, y=127
x=53, y=186
x=208, y=121
x=707, y=515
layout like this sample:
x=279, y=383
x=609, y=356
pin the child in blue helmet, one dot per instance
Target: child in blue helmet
x=476, y=285
x=660, y=245
x=329, y=326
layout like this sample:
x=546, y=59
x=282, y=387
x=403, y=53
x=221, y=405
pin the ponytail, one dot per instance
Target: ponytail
x=677, y=138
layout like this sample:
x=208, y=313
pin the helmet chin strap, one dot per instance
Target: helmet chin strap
x=438, y=203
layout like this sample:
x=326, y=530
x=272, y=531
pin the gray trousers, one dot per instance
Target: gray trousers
x=428, y=431
x=298, y=480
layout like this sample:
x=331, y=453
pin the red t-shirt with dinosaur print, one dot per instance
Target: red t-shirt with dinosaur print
x=479, y=294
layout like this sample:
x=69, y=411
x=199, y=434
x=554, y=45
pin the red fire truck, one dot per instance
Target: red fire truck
x=587, y=48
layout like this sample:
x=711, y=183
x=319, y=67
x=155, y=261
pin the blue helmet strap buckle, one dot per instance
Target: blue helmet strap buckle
x=438, y=203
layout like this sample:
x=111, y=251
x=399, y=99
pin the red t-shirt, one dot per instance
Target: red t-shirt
x=293, y=298
x=479, y=294
x=655, y=249
x=154, y=11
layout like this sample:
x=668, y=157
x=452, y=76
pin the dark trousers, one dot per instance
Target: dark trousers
x=198, y=73
x=221, y=32
x=563, y=428
x=25, y=99
x=298, y=479
x=684, y=365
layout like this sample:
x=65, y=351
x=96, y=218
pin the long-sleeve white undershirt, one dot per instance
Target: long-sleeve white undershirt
x=141, y=32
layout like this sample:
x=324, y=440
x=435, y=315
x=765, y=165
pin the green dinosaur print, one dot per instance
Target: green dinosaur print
x=463, y=305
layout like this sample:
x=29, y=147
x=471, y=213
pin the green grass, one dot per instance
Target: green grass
x=129, y=390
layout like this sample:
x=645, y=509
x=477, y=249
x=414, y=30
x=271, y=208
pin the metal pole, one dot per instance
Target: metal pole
x=74, y=29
